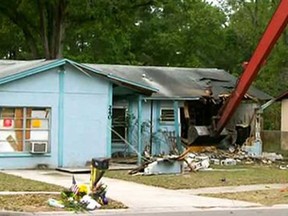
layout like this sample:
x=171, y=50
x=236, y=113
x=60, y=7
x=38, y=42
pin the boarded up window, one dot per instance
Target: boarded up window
x=19, y=126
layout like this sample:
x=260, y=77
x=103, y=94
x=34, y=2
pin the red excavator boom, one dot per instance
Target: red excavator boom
x=273, y=31
x=214, y=133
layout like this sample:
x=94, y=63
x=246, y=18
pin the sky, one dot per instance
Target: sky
x=214, y=2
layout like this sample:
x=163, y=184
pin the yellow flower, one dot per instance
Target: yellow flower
x=83, y=188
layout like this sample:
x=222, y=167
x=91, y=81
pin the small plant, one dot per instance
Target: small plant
x=72, y=202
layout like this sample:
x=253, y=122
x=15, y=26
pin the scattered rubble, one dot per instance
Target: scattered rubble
x=163, y=166
x=272, y=156
x=187, y=161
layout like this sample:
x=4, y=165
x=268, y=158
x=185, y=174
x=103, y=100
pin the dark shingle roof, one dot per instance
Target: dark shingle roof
x=171, y=82
x=13, y=67
x=177, y=82
x=11, y=70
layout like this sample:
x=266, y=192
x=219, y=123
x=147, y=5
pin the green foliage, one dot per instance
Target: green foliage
x=247, y=24
x=12, y=42
x=179, y=33
x=190, y=33
x=70, y=203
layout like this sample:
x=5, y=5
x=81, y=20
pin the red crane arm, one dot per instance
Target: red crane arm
x=272, y=33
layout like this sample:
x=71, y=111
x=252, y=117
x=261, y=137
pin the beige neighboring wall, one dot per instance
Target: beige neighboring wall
x=284, y=124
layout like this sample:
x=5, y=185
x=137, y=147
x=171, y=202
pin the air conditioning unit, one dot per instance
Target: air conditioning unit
x=38, y=147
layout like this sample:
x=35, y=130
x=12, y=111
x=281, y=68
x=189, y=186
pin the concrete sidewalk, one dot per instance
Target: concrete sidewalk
x=234, y=189
x=137, y=196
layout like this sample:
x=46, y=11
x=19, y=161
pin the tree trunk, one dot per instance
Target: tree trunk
x=43, y=30
x=52, y=18
x=58, y=31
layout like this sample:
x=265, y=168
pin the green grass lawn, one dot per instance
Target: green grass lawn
x=264, y=197
x=33, y=202
x=233, y=175
x=15, y=183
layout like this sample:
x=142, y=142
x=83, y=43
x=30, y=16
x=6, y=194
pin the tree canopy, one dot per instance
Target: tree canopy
x=185, y=33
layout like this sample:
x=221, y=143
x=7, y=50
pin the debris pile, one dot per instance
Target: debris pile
x=201, y=160
x=234, y=156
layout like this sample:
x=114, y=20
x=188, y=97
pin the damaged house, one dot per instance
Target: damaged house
x=186, y=97
x=61, y=113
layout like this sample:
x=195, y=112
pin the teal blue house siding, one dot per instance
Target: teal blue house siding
x=39, y=90
x=85, y=116
x=160, y=130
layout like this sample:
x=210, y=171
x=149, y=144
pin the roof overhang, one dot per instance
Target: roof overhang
x=282, y=96
x=19, y=74
x=146, y=90
x=32, y=71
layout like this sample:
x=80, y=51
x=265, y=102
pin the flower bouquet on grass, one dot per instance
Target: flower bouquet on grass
x=81, y=197
x=72, y=202
x=98, y=193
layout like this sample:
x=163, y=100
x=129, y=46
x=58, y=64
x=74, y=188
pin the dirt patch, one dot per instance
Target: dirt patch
x=27, y=203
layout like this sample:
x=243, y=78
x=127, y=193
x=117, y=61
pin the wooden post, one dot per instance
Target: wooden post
x=284, y=124
x=139, y=129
